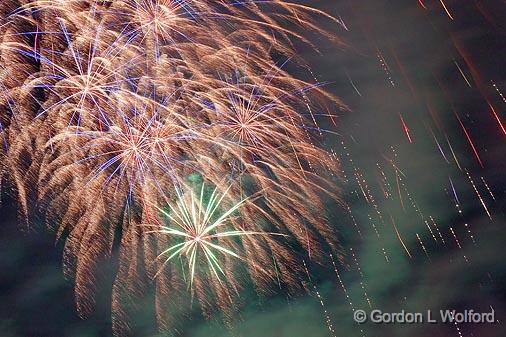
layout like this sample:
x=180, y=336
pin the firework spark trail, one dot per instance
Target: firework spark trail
x=457, y=201
x=385, y=67
x=328, y=321
x=423, y=246
x=353, y=84
x=342, y=284
x=437, y=229
x=471, y=143
x=362, y=278
x=375, y=228
x=462, y=73
x=438, y=145
x=471, y=236
x=398, y=181
x=387, y=189
x=357, y=228
x=458, y=329
x=499, y=92
x=458, y=243
x=399, y=237
x=453, y=153
x=430, y=231
x=478, y=194
x=345, y=291
x=496, y=116
x=446, y=9
x=406, y=129
x=488, y=189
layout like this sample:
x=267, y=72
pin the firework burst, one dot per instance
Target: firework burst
x=107, y=108
x=206, y=231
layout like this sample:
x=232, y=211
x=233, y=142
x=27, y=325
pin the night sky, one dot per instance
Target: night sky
x=422, y=150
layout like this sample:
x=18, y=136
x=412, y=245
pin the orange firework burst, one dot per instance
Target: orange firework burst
x=109, y=109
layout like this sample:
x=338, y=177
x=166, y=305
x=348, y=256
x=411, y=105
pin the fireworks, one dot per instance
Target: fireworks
x=195, y=226
x=109, y=107
x=173, y=139
x=204, y=232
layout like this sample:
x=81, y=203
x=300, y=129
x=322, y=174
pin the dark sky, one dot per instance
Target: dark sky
x=415, y=81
